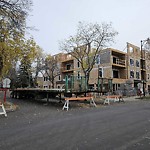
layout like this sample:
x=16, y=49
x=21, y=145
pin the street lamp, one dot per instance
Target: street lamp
x=143, y=42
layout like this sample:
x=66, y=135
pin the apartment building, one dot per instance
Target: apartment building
x=110, y=64
x=147, y=72
x=134, y=64
x=120, y=67
x=117, y=67
x=66, y=63
x=138, y=66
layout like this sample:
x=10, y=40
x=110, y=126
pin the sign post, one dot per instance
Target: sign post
x=6, y=85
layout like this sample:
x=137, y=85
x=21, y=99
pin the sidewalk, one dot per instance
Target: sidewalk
x=132, y=98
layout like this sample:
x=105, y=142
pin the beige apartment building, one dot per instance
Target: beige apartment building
x=138, y=66
x=110, y=64
x=121, y=67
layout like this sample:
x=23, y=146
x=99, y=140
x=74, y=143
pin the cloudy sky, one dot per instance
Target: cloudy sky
x=58, y=19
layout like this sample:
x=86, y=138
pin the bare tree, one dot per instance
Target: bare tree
x=38, y=63
x=49, y=67
x=52, y=68
x=89, y=40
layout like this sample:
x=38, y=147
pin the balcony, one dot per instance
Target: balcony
x=67, y=68
x=118, y=62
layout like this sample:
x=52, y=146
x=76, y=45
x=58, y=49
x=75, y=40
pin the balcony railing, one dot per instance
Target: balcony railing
x=67, y=69
x=118, y=61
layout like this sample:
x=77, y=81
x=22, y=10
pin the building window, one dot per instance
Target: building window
x=58, y=65
x=78, y=64
x=131, y=49
x=131, y=74
x=148, y=76
x=131, y=62
x=115, y=74
x=100, y=72
x=45, y=78
x=137, y=63
x=97, y=60
x=59, y=77
x=45, y=86
x=137, y=75
x=68, y=66
x=78, y=76
x=115, y=60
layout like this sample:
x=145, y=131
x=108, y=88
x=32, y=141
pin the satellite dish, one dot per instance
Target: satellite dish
x=6, y=83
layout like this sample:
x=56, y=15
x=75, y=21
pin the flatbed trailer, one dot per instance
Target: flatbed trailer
x=36, y=93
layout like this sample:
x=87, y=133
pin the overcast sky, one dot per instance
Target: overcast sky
x=58, y=19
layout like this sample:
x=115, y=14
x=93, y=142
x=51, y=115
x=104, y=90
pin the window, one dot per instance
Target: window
x=131, y=62
x=137, y=63
x=114, y=60
x=45, y=86
x=58, y=65
x=148, y=76
x=97, y=60
x=68, y=66
x=59, y=77
x=137, y=75
x=131, y=74
x=100, y=72
x=115, y=74
x=131, y=49
x=45, y=78
x=78, y=64
x=78, y=76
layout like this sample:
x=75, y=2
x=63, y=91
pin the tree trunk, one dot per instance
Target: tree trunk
x=1, y=66
x=52, y=82
x=87, y=76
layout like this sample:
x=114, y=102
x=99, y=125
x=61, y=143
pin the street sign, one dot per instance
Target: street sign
x=6, y=83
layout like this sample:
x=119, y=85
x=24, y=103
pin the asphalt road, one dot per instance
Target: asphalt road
x=35, y=126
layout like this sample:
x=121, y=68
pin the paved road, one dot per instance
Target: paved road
x=36, y=126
